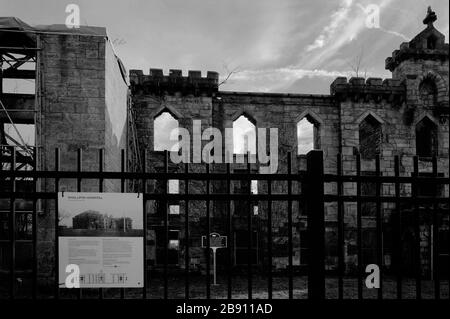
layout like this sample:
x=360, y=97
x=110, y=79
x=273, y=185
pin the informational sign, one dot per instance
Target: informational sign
x=216, y=241
x=103, y=235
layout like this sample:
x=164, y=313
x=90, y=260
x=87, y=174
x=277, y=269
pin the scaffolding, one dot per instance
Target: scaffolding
x=18, y=62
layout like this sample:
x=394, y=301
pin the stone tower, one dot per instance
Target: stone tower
x=423, y=65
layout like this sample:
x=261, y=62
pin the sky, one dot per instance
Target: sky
x=286, y=46
x=294, y=46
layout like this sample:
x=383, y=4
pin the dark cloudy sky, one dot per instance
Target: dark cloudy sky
x=295, y=46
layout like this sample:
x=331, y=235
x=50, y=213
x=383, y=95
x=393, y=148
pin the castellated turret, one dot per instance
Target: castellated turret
x=422, y=64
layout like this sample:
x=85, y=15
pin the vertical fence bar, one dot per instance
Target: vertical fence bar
x=435, y=237
x=416, y=219
x=34, y=225
x=57, y=163
x=208, y=244
x=269, y=237
x=379, y=225
x=144, y=204
x=186, y=231
x=166, y=224
x=359, y=225
x=416, y=216
x=100, y=189
x=79, y=169
x=250, y=230
x=428, y=220
x=398, y=233
x=230, y=232
x=316, y=225
x=100, y=169
x=122, y=190
x=341, y=246
x=290, y=245
x=12, y=225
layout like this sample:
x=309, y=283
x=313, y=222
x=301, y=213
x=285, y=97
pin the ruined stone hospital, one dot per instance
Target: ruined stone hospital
x=85, y=99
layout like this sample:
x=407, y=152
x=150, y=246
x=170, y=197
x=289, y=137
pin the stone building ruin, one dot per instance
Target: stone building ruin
x=83, y=100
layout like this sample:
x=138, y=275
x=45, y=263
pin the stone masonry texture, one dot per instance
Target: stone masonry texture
x=393, y=108
x=77, y=96
x=85, y=104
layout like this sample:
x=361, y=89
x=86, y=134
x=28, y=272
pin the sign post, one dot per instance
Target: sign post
x=215, y=242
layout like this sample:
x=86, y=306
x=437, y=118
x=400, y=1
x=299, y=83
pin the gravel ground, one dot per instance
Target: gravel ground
x=280, y=288
x=176, y=289
x=197, y=289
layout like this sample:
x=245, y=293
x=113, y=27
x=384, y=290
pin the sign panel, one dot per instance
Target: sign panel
x=215, y=241
x=102, y=234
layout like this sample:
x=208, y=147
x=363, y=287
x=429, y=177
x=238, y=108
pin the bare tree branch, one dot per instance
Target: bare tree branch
x=357, y=63
x=229, y=72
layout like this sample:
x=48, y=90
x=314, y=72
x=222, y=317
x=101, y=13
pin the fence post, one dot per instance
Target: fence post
x=316, y=225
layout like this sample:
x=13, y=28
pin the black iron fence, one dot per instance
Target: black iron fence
x=426, y=213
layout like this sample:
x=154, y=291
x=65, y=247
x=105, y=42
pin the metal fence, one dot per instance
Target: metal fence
x=313, y=197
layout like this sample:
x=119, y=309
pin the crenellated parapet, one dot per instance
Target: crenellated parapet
x=370, y=90
x=158, y=83
x=409, y=50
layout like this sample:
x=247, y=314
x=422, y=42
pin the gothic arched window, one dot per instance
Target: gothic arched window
x=308, y=137
x=431, y=42
x=163, y=124
x=244, y=135
x=426, y=138
x=370, y=137
x=428, y=92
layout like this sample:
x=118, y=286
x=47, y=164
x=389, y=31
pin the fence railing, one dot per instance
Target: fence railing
x=313, y=196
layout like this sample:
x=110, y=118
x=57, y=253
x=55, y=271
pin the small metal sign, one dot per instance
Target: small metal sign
x=215, y=242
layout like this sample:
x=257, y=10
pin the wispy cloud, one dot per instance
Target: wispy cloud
x=276, y=79
x=276, y=42
x=285, y=74
x=398, y=34
x=336, y=20
x=344, y=27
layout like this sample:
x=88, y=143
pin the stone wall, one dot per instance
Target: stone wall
x=83, y=105
x=282, y=111
x=193, y=102
x=75, y=106
x=337, y=118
